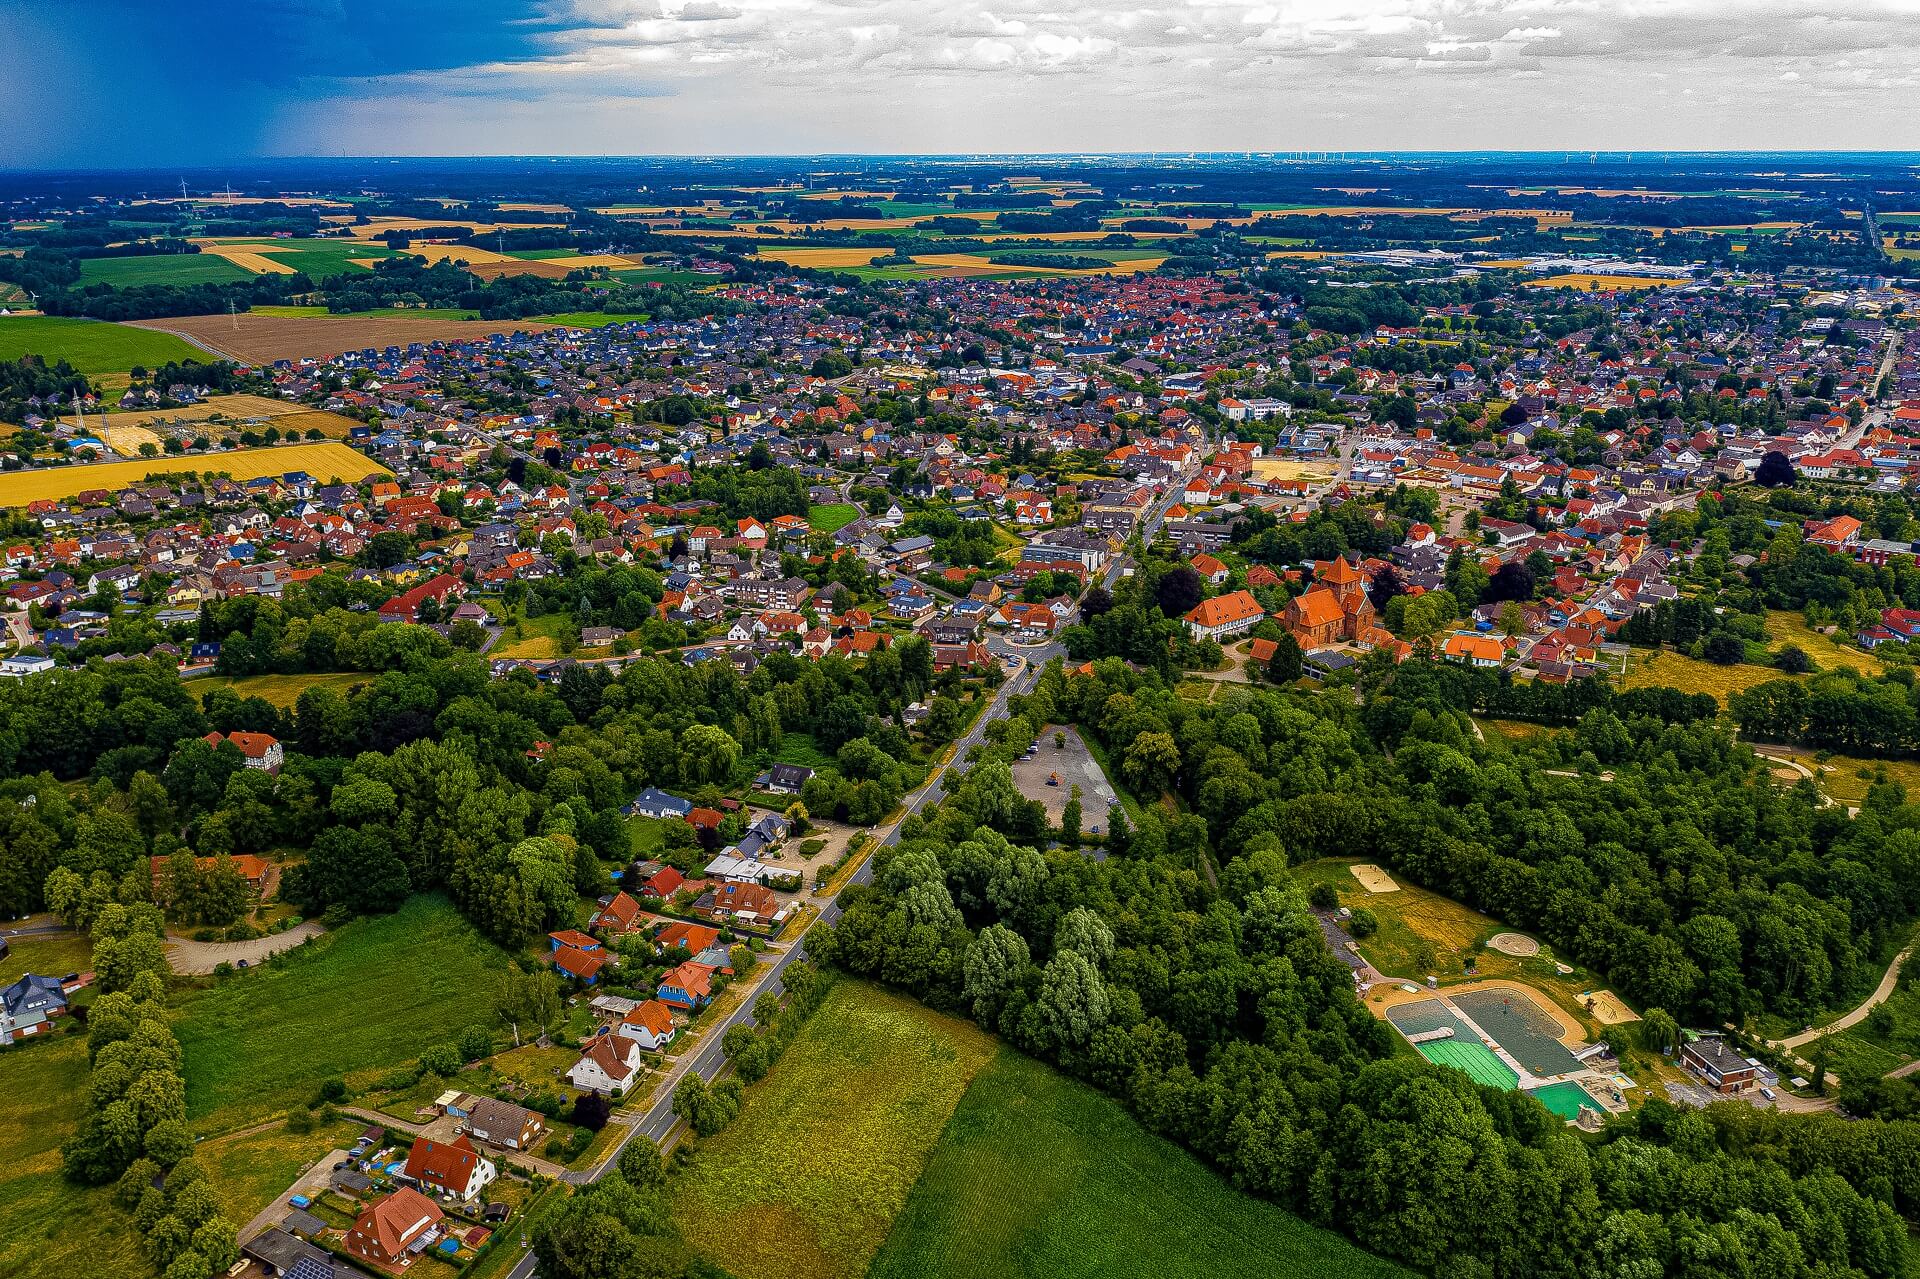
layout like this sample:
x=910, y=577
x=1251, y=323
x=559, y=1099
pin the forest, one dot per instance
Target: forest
x=1186, y=976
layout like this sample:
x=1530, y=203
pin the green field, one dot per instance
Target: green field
x=800, y=748
x=50, y=955
x=166, y=268
x=322, y=258
x=828, y=1146
x=250, y=1172
x=282, y=690
x=1038, y=1175
x=664, y=275
x=832, y=517
x=354, y=1003
x=541, y=255
x=47, y=1225
x=91, y=346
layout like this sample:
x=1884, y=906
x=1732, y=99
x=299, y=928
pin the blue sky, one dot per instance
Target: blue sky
x=198, y=82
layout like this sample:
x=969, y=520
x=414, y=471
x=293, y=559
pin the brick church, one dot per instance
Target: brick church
x=1336, y=610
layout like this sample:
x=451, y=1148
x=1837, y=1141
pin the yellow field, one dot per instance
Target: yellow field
x=126, y=440
x=374, y=227
x=581, y=261
x=535, y=208
x=822, y=259
x=326, y=462
x=467, y=253
x=246, y=256
x=232, y=410
x=1281, y=468
x=1603, y=283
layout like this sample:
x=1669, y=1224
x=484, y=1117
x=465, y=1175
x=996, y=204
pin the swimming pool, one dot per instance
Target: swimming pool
x=1565, y=1099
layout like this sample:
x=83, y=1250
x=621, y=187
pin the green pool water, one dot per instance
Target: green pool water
x=1565, y=1099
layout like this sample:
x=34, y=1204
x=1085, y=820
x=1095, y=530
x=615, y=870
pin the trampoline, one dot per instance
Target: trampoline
x=1522, y=1027
x=1565, y=1099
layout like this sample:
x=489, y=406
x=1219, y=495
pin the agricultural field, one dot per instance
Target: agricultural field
x=325, y=462
x=233, y=411
x=832, y=517
x=1603, y=283
x=260, y=1042
x=829, y=1145
x=318, y=258
x=1038, y=1175
x=91, y=346
x=47, y=1225
x=282, y=690
x=254, y=337
x=589, y=319
x=160, y=268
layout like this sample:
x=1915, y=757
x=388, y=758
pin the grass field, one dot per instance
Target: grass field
x=261, y=1042
x=47, y=1225
x=539, y=639
x=590, y=319
x=833, y=517
x=1691, y=675
x=1827, y=653
x=800, y=748
x=250, y=1172
x=167, y=268
x=828, y=1146
x=91, y=346
x=1038, y=1175
x=325, y=462
x=282, y=690
x=48, y=954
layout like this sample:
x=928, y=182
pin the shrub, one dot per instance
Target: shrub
x=1364, y=923
x=443, y=1060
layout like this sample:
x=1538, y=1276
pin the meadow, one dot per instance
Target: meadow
x=1038, y=1175
x=249, y=1171
x=260, y=1042
x=281, y=690
x=49, y=954
x=325, y=462
x=47, y=1225
x=832, y=517
x=828, y=1146
x=91, y=346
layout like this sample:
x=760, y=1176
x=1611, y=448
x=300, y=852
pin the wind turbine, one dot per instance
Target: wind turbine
x=183, y=188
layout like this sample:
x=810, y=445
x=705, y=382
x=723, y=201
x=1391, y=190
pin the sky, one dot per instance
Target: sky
x=136, y=83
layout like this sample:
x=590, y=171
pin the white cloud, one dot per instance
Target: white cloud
x=1018, y=75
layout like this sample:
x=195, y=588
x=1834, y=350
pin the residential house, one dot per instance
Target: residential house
x=608, y=1065
x=650, y=1025
x=503, y=1124
x=261, y=750
x=618, y=917
x=787, y=779
x=1724, y=1070
x=656, y=803
x=392, y=1231
x=689, y=986
x=453, y=1168
x=745, y=903
x=29, y=1005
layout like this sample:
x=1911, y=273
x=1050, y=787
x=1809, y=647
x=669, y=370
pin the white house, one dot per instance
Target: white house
x=25, y=664
x=609, y=1064
x=650, y=1025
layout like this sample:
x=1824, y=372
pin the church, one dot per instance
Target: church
x=1336, y=610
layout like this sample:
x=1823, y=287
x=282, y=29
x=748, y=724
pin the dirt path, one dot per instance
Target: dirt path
x=1879, y=996
x=197, y=958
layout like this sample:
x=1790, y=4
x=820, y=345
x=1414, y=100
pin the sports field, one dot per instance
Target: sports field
x=91, y=346
x=1476, y=1060
x=326, y=462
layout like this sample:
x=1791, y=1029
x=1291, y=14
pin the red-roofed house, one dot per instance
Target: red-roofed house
x=650, y=1025
x=262, y=750
x=1224, y=615
x=452, y=1168
x=608, y=1065
x=391, y=1231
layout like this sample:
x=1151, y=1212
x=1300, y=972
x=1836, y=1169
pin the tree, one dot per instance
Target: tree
x=1793, y=660
x=1775, y=470
x=529, y=1002
x=640, y=1163
x=1179, y=591
x=1073, y=999
x=1289, y=661
x=993, y=964
x=1151, y=763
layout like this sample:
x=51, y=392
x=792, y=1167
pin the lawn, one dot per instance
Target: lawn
x=355, y=1003
x=829, y=1145
x=649, y=834
x=540, y=637
x=282, y=690
x=1039, y=1175
x=50, y=955
x=833, y=517
x=160, y=268
x=91, y=346
x=326, y=462
x=47, y=1225
x=250, y=1172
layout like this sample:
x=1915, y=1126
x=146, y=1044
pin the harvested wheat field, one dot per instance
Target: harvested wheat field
x=126, y=440
x=472, y=255
x=822, y=259
x=1604, y=283
x=325, y=462
x=245, y=256
x=261, y=339
x=1373, y=879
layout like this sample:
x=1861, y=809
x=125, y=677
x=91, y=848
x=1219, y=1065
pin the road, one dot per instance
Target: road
x=1879, y=996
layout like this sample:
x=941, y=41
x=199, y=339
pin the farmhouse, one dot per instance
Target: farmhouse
x=261, y=750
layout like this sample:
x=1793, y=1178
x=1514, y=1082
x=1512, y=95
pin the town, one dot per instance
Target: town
x=598, y=789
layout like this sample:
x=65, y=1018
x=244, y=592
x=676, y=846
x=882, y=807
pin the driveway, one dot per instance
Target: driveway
x=197, y=958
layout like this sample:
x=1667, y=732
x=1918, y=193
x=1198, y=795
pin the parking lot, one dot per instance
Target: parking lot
x=1075, y=766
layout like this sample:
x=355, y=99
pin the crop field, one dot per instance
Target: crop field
x=1038, y=1175
x=161, y=268
x=828, y=1146
x=260, y=338
x=262, y=1041
x=589, y=319
x=319, y=258
x=326, y=462
x=91, y=346
x=232, y=410
x=822, y=259
x=1603, y=283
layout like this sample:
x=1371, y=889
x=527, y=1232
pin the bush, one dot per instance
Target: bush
x=590, y=1112
x=443, y=1060
x=553, y=1147
x=1322, y=897
x=476, y=1042
x=1364, y=923
x=333, y=1090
